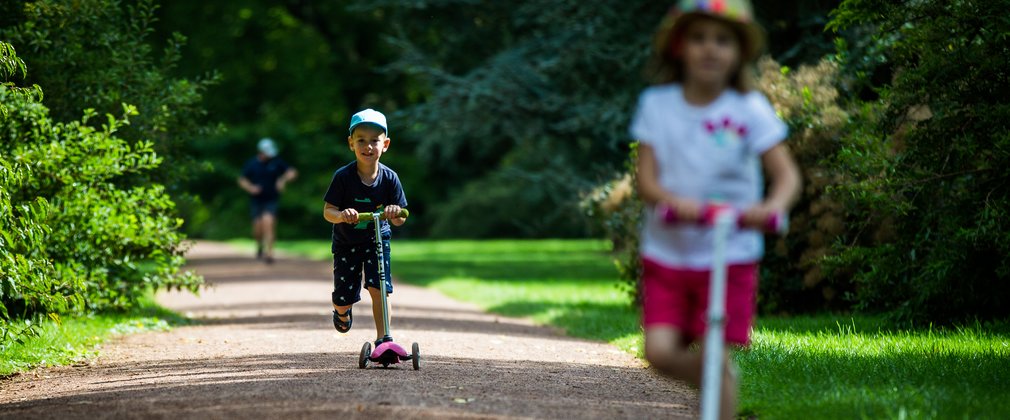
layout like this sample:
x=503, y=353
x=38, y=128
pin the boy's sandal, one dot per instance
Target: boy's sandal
x=342, y=326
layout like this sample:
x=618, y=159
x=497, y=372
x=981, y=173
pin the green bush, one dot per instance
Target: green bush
x=615, y=208
x=905, y=204
x=74, y=238
x=930, y=162
x=96, y=54
x=792, y=279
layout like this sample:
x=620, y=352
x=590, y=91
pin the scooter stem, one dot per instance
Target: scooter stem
x=380, y=260
x=711, y=381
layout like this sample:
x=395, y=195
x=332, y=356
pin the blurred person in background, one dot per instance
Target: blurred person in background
x=264, y=177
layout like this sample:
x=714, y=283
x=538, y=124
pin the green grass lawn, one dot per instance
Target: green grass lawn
x=805, y=367
x=861, y=368
x=76, y=338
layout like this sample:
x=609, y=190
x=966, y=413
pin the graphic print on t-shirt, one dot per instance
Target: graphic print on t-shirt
x=363, y=224
x=725, y=131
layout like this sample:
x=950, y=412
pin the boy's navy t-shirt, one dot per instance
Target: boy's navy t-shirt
x=348, y=191
x=265, y=174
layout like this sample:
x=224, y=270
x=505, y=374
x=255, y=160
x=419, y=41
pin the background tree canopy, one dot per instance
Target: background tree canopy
x=502, y=114
x=508, y=119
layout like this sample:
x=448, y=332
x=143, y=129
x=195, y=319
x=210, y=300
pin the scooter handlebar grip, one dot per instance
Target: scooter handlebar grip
x=667, y=214
x=776, y=223
x=708, y=213
x=382, y=216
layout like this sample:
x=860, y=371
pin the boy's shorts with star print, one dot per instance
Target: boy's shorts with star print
x=349, y=262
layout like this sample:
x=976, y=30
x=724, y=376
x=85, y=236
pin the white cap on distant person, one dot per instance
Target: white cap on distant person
x=368, y=116
x=267, y=147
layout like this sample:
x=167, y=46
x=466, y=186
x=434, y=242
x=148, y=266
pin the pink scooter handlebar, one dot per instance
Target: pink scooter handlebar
x=776, y=223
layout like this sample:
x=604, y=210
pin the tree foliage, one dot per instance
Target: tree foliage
x=486, y=100
x=74, y=241
x=97, y=54
x=526, y=104
x=930, y=161
x=85, y=225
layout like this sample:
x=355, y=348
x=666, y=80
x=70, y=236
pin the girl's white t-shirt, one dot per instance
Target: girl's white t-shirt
x=709, y=153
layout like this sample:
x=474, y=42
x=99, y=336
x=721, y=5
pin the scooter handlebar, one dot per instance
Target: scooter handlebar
x=382, y=216
x=777, y=223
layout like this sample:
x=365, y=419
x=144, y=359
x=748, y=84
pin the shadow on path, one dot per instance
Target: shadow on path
x=263, y=346
x=330, y=384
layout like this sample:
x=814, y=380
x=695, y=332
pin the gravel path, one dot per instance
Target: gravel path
x=265, y=347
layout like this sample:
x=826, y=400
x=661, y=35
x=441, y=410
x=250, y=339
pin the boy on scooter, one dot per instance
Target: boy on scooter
x=362, y=186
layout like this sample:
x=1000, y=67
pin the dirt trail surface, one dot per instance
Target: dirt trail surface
x=264, y=346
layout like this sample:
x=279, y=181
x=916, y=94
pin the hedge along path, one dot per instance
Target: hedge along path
x=264, y=347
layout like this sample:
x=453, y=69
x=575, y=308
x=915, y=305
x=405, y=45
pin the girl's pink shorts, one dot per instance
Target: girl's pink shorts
x=679, y=297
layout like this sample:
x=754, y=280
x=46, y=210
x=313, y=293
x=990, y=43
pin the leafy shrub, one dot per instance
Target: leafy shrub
x=806, y=99
x=614, y=206
x=490, y=207
x=930, y=162
x=96, y=54
x=74, y=239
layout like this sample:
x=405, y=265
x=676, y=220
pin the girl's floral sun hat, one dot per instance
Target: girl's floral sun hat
x=735, y=12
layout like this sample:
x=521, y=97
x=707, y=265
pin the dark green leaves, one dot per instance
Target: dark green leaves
x=75, y=237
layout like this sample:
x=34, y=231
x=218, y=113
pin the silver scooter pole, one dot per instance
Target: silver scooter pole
x=711, y=380
x=376, y=217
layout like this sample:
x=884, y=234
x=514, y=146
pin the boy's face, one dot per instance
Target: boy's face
x=711, y=52
x=368, y=143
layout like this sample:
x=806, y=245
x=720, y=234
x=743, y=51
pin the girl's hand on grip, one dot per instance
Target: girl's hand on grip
x=758, y=217
x=686, y=210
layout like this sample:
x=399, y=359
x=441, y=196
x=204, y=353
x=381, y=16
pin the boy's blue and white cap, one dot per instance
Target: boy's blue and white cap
x=267, y=147
x=368, y=116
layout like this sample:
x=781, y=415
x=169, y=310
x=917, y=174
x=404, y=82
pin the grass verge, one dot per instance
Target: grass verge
x=801, y=367
x=845, y=367
x=74, y=339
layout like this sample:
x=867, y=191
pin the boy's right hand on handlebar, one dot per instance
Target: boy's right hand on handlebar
x=349, y=216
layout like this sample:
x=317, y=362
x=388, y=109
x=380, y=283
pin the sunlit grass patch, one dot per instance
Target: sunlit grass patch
x=570, y=284
x=864, y=369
